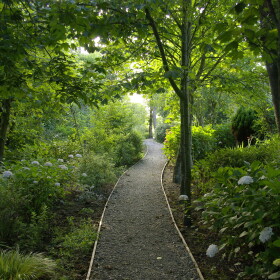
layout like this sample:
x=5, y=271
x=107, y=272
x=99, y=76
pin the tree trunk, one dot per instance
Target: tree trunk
x=186, y=136
x=186, y=160
x=274, y=78
x=4, y=124
x=177, y=169
x=270, y=19
x=151, y=123
x=154, y=117
x=183, y=93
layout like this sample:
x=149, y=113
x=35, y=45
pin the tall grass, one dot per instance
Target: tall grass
x=16, y=266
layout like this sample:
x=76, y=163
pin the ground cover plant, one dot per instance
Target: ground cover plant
x=243, y=206
x=238, y=202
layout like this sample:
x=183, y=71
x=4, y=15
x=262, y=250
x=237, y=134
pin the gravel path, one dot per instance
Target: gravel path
x=138, y=240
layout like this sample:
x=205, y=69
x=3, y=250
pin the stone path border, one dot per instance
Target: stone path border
x=177, y=228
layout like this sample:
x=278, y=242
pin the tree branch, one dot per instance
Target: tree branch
x=274, y=14
x=162, y=52
x=175, y=19
x=214, y=66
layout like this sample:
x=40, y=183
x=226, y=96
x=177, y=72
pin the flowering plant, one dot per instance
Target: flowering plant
x=41, y=183
x=243, y=207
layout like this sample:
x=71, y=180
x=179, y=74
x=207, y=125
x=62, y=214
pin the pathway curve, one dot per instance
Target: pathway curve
x=138, y=239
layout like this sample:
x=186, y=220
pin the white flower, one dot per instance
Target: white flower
x=26, y=168
x=84, y=174
x=265, y=234
x=63, y=167
x=207, y=194
x=57, y=184
x=35, y=182
x=48, y=163
x=183, y=197
x=7, y=174
x=60, y=160
x=35, y=162
x=245, y=180
x=212, y=250
x=49, y=177
x=71, y=156
x=262, y=177
x=79, y=155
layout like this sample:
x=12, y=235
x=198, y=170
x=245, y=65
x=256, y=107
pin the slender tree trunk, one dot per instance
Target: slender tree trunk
x=186, y=136
x=270, y=19
x=186, y=160
x=274, y=78
x=154, y=117
x=4, y=124
x=183, y=93
x=177, y=168
x=151, y=123
x=277, y=97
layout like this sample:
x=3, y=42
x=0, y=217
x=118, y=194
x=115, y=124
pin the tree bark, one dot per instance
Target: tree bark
x=151, y=123
x=273, y=71
x=270, y=19
x=177, y=169
x=186, y=136
x=4, y=124
x=154, y=118
x=183, y=93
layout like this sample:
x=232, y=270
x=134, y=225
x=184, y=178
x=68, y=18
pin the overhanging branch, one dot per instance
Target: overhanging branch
x=162, y=52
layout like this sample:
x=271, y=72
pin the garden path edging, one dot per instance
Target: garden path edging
x=177, y=228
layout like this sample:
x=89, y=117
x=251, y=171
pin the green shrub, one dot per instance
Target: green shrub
x=223, y=135
x=243, y=207
x=11, y=212
x=15, y=266
x=129, y=149
x=41, y=183
x=203, y=142
x=243, y=124
x=78, y=241
x=97, y=170
x=172, y=142
x=265, y=152
x=30, y=235
x=160, y=132
x=28, y=190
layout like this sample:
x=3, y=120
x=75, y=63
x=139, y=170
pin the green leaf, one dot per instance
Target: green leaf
x=237, y=249
x=276, y=243
x=226, y=36
x=231, y=46
x=223, y=246
x=275, y=275
x=223, y=229
x=244, y=233
x=221, y=26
